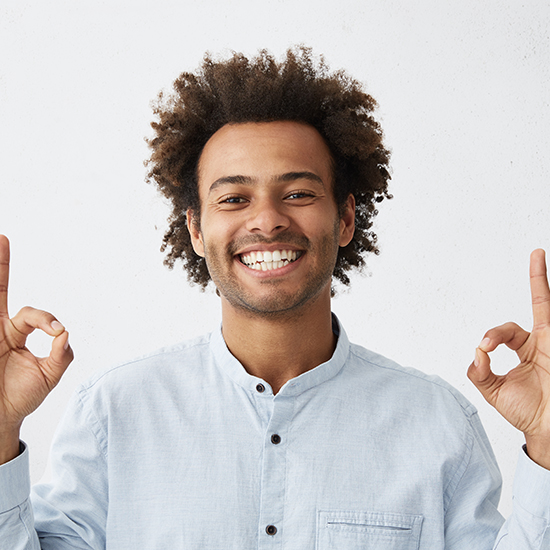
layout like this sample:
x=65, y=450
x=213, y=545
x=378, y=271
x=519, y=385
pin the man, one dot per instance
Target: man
x=274, y=431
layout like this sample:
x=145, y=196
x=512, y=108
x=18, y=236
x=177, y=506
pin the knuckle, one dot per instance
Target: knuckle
x=28, y=312
x=494, y=334
x=503, y=332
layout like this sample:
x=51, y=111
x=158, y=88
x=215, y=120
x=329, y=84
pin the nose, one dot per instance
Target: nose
x=267, y=216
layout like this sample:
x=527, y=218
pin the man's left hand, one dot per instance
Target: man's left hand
x=522, y=396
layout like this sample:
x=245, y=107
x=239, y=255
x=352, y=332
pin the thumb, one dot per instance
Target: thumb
x=481, y=375
x=60, y=358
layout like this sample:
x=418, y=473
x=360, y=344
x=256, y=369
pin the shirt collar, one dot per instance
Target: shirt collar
x=232, y=368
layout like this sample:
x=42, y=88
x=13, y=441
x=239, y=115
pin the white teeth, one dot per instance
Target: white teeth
x=267, y=260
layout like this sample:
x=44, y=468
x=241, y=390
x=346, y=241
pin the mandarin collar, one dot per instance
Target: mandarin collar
x=323, y=372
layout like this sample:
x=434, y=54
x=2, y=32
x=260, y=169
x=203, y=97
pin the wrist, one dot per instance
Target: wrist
x=9, y=446
x=538, y=451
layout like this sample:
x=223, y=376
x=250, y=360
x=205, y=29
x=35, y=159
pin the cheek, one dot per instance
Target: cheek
x=221, y=225
x=218, y=238
x=319, y=224
x=224, y=229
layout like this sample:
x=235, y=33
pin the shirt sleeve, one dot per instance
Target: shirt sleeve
x=472, y=517
x=16, y=516
x=529, y=525
x=69, y=511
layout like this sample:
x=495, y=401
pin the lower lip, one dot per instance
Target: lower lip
x=270, y=272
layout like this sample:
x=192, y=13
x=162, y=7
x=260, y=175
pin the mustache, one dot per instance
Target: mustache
x=285, y=237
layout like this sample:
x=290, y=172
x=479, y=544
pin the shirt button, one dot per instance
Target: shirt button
x=275, y=439
x=260, y=388
x=271, y=530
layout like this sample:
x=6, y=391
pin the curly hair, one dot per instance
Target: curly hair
x=260, y=89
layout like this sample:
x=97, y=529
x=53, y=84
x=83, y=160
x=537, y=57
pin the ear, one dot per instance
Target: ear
x=347, y=222
x=195, y=231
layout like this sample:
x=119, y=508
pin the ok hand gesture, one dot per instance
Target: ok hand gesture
x=25, y=380
x=522, y=396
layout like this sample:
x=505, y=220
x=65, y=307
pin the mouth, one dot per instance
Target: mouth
x=265, y=260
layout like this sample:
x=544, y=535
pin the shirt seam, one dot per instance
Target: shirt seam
x=96, y=423
x=528, y=512
x=22, y=520
x=460, y=471
x=449, y=490
x=468, y=409
x=91, y=382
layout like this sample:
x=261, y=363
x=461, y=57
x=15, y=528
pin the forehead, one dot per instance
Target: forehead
x=262, y=150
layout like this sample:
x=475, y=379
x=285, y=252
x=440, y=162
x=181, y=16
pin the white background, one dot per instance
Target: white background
x=463, y=89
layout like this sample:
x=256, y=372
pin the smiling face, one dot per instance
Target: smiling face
x=269, y=225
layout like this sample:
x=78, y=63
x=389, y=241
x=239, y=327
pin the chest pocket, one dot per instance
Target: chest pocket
x=367, y=531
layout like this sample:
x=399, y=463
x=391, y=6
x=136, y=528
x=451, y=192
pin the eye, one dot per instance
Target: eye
x=231, y=199
x=299, y=195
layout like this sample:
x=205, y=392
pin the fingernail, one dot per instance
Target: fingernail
x=484, y=343
x=66, y=346
x=476, y=358
x=56, y=325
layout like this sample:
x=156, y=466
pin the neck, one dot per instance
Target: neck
x=278, y=348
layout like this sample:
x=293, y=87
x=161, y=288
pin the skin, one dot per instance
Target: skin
x=268, y=186
x=25, y=380
x=522, y=396
x=278, y=323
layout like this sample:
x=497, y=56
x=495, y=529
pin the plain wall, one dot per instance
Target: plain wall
x=463, y=90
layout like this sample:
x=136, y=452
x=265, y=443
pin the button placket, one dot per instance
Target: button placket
x=273, y=473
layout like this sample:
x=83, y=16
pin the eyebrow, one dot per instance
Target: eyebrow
x=281, y=178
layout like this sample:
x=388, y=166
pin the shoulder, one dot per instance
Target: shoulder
x=421, y=408
x=413, y=385
x=160, y=365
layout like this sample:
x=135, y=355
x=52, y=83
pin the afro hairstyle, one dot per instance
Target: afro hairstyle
x=237, y=90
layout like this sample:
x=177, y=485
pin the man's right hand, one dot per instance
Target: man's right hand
x=25, y=380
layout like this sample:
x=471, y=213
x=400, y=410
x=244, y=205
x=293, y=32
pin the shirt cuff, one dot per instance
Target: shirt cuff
x=532, y=487
x=15, y=482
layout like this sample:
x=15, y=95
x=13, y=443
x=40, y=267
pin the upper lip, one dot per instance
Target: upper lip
x=267, y=247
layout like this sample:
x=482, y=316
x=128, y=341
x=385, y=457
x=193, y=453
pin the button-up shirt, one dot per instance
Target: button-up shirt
x=183, y=449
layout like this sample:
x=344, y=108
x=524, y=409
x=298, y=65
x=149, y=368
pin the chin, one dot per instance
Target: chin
x=274, y=305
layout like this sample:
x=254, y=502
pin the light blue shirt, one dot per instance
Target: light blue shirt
x=183, y=449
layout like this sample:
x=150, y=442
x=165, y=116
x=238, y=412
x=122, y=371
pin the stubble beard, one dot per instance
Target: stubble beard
x=275, y=303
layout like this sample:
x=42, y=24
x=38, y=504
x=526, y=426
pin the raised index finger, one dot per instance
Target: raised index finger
x=4, y=274
x=540, y=292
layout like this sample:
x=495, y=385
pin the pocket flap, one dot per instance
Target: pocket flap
x=337, y=529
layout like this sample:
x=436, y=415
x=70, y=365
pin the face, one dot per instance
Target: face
x=269, y=224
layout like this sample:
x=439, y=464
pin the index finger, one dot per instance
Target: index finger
x=4, y=274
x=540, y=291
